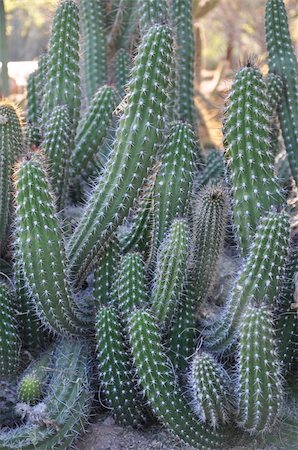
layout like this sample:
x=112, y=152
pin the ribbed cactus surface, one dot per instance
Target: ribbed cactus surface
x=9, y=339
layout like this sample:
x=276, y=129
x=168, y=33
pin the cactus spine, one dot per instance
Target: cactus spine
x=282, y=61
x=9, y=340
x=94, y=43
x=140, y=127
x=260, y=378
x=247, y=132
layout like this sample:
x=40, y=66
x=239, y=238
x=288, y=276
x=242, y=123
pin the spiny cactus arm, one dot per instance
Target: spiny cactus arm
x=210, y=386
x=115, y=369
x=122, y=70
x=63, y=81
x=260, y=280
x=105, y=270
x=275, y=88
x=158, y=381
x=60, y=418
x=40, y=244
x=213, y=171
x=58, y=135
x=93, y=128
x=12, y=118
x=41, y=79
x=9, y=339
x=152, y=12
x=124, y=32
x=260, y=387
x=34, y=112
x=170, y=273
x=282, y=61
x=94, y=45
x=210, y=214
x=181, y=17
x=140, y=128
x=250, y=163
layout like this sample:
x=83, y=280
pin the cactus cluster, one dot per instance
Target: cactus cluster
x=116, y=225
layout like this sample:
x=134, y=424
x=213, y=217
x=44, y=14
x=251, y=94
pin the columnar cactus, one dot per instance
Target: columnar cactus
x=41, y=247
x=140, y=128
x=86, y=159
x=58, y=135
x=9, y=339
x=259, y=281
x=63, y=82
x=94, y=45
x=282, y=61
x=250, y=164
x=152, y=12
x=275, y=88
x=41, y=78
x=122, y=70
x=117, y=385
x=260, y=386
x=34, y=112
x=213, y=172
x=170, y=272
x=210, y=386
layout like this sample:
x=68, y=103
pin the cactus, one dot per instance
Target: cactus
x=275, y=88
x=182, y=24
x=29, y=390
x=57, y=421
x=260, y=388
x=104, y=273
x=170, y=272
x=9, y=339
x=152, y=12
x=122, y=71
x=41, y=79
x=210, y=386
x=63, y=82
x=86, y=159
x=246, y=131
x=213, y=172
x=127, y=167
x=115, y=369
x=41, y=247
x=158, y=381
x=94, y=45
x=283, y=62
x=57, y=146
x=259, y=281
x=33, y=110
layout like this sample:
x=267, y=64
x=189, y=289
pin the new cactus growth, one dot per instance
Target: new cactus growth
x=29, y=389
x=94, y=44
x=260, y=379
x=282, y=61
x=250, y=164
x=139, y=130
x=9, y=339
x=115, y=369
x=210, y=386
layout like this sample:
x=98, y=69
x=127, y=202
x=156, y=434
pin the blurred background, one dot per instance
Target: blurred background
x=226, y=33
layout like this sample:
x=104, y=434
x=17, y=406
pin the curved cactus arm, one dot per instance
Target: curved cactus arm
x=58, y=420
x=260, y=280
x=63, y=80
x=211, y=391
x=94, y=45
x=34, y=112
x=140, y=128
x=9, y=339
x=282, y=61
x=122, y=70
x=158, y=381
x=115, y=369
x=58, y=135
x=152, y=12
x=250, y=164
x=41, y=246
x=170, y=273
x=86, y=159
x=260, y=387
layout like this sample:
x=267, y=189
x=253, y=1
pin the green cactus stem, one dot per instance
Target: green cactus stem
x=247, y=140
x=158, y=381
x=259, y=281
x=282, y=61
x=170, y=273
x=260, y=387
x=275, y=89
x=86, y=159
x=140, y=128
x=29, y=390
x=63, y=81
x=105, y=270
x=122, y=71
x=94, y=45
x=40, y=244
x=58, y=135
x=34, y=112
x=181, y=16
x=213, y=172
x=210, y=386
x=9, y=339
x=41, y=79
x=152, y=12
x=58, y=420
